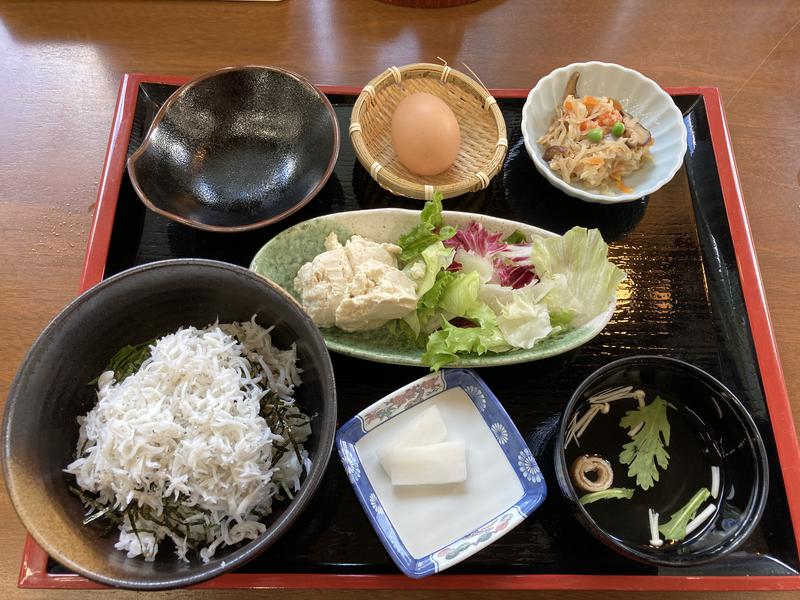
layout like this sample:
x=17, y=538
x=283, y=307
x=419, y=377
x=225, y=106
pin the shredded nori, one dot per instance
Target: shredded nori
x=176, y=514
x=276, y=413
x=127, y=361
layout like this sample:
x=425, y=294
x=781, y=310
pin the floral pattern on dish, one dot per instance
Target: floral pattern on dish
x=411, y=396
x=376, y=506
x=528, y=467
x=350, y=462
x=477, y=395
x=479, y=537
x=500, y=433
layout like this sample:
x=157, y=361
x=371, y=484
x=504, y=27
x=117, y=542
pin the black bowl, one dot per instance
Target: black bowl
x=237, y=149
x=709, y=427
x=40, y=431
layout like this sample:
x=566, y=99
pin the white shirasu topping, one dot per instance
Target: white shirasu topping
x=186, y=426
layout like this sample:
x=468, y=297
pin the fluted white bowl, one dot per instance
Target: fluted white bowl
x=641, y=97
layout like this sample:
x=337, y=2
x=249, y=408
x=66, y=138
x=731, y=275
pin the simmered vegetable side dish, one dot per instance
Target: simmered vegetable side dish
x=594, y=142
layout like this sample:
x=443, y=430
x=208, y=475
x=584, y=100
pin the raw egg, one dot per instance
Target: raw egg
x=425, y=134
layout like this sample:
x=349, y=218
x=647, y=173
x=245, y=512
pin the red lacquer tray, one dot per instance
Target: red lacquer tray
x=37, y=570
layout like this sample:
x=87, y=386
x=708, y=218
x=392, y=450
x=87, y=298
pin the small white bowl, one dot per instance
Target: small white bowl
x=641, y=97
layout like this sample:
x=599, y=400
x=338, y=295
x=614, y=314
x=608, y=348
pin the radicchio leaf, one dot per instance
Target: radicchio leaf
x=514, y=275
x=519, y=254
x=477, y=240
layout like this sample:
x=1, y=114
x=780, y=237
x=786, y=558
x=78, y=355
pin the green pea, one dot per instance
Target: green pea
x=595, y=134
x=618, y=129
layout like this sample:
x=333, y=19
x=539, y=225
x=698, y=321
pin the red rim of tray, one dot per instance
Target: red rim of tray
x=33, y=570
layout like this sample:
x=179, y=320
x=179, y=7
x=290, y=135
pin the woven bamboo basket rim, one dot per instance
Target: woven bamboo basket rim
x=419, y=187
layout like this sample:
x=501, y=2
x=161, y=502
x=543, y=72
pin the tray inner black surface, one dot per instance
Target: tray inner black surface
x=682, y=299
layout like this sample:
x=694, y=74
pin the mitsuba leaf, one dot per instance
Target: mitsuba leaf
x=609, y=494
x=647, y=450
x=675, y=528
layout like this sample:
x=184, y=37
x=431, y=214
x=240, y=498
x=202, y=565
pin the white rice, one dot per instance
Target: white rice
x=186, y=426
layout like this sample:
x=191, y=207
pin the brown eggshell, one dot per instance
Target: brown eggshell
x=425, y=134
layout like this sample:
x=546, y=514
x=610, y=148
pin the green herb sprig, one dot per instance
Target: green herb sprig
x=609, y=494
x=675, y=528
x=647, y=450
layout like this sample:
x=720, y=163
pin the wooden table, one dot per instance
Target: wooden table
x=60, y=64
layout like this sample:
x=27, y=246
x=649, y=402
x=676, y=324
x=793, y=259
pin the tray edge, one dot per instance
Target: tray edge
x=33, y=568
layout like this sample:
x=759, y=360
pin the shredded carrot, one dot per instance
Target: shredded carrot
x=568, y=105
x=590, y=102
x=594, y=160
x=622, y=187
x=607, y=119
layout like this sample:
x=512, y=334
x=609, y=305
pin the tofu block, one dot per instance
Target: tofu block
x=445, y=462
x=427, y=428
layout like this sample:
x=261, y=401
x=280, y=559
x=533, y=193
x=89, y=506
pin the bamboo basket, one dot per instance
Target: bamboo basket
x=483, y=131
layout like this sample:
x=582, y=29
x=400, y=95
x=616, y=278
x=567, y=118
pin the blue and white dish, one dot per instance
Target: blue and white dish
x=427, y=529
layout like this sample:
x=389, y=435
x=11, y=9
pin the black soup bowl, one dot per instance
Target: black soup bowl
x=50, y=391
x=237, y=149
x=709, y=429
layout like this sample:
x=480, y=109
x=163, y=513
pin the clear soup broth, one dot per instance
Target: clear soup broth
x=692, y=453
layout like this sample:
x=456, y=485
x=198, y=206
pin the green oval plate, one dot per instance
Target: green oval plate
x=281, y=258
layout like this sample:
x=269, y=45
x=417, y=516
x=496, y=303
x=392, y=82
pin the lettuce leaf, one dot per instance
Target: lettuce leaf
x=428, y=231
x=516, y=238
x=432, y=211
x=418, y=321
x=460, y=296
x=495, y=295
x=402, y=329
x=435, y=258
x=433, y=296
x=473, y=262
x=447, y=343
x=583, y=278
x=562, y=303
x=524, y=320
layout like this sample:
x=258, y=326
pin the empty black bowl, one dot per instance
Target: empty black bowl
x=237, y=149
x=709, y=426
x=50, y=390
